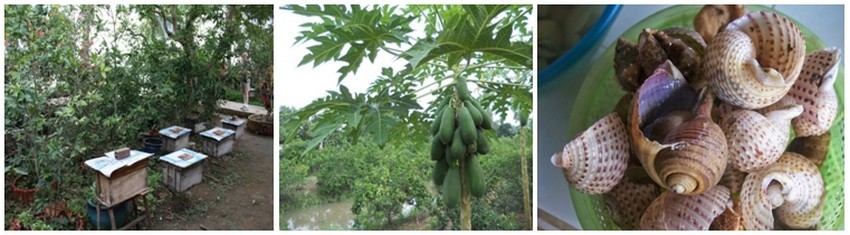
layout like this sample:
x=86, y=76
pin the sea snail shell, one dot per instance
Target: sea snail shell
x=699, y=163
x=815, y=91
x=628, y=201
x=793, y=186
x=755, y=61
x=756, y=141
x=595, y=161
x=672, y=211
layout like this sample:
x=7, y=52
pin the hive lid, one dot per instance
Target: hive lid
x=176, y=158
x=108, y=164
x=234, y=121
x=174, y=131
x=211, y=133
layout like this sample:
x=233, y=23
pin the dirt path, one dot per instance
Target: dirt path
x=236, y=192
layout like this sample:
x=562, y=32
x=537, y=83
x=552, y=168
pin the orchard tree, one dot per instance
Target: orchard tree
x=489, y=46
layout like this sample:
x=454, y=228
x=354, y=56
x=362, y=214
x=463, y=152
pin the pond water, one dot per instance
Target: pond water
x=331, y=216
x=321, y=217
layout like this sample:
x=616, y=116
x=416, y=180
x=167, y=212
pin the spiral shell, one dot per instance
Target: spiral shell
x=793, y=186
x=756, y=141
x=755, y=61
x=628, y=201
x=699, y=163
x=596, y=160
x=815, y=91
x=672, y=211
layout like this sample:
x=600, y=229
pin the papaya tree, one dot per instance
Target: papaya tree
x=472, y=59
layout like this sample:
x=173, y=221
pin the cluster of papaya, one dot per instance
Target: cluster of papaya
x=458, y=139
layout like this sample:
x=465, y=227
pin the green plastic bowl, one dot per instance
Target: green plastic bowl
x=599, y=94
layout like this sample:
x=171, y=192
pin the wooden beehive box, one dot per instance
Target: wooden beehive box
x=119, y=180
x=194, y=122
x=236, y=124
x=217, y=142
x=176, y=137
x=182, y=169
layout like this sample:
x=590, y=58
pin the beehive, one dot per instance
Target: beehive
x=217, y=141
x=236, y=124
x=176, y=137
x=182, y=169
x=119, y=180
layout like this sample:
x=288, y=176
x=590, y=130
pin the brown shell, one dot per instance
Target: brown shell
x=699, y=163
x=628, y=200
x=672, y=211
x=815, y=148
x=756, y=141
x=816, y=92
x=731, y=219
x=595, y=161
x=712, y=18
x=755, y=61
x=663, y=92
x=793, y=186
x=626, y=66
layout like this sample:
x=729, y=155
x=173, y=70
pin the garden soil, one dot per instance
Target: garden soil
x=236, y=192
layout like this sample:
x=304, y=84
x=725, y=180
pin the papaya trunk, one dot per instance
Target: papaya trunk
x=465, y=202
x=526, y=205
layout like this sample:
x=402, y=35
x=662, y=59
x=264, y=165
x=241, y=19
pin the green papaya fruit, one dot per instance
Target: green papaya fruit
x=466, y=126
x=523, y=117
x=458, y=148
x=475, y=176
x=438, y=118
x=450, y=158
x=451, y=187
x=487, y=122
x=472, y=148
x=437, y=149
x=462, y=89
x=483, y=143
x=439, y=173
x=447, y=125
x=476, y=115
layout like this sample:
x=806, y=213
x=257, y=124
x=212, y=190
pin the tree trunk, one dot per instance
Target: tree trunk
x=526, y=198
x=465, y=202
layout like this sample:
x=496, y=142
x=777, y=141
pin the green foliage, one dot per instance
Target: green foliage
x=82, y=80
x=379, y=194
x=501, y=206
x=490, y=43
x=292, y=174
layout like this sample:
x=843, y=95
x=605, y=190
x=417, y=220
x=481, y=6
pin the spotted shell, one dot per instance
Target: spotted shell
x=815, y=91
x=628, y=201
x=672, y=211
x=755, y=60
x=733, y=179
x=595, y=161
x=756, y=141
x=792, y=186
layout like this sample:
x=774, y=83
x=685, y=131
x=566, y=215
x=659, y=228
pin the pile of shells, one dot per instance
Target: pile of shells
x=701, y=139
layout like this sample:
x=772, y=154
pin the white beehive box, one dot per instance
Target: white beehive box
x=120, y=180
x=193, y=122
x=217, y=141
x=236, y=124
x=176, y=137
x=182, y=169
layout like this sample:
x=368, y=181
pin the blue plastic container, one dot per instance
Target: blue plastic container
x=589, y=43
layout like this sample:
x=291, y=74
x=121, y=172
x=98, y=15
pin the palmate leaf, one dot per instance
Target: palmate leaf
x=465, y=34
x=350, y=35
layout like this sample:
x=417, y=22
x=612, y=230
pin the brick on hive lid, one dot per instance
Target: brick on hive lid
x=218, y=132
x=185, y=156
x=176, y=129
x=122, y=153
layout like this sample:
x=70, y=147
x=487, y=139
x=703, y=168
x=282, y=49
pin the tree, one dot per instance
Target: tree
x=489, y=45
